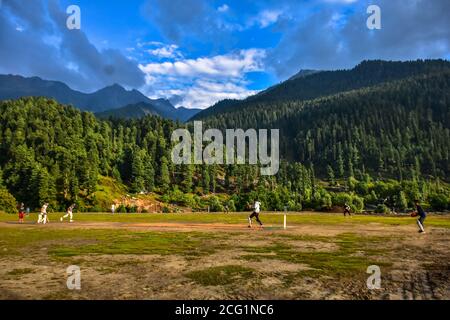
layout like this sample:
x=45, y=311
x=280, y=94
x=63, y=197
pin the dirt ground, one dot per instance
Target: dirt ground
x=309, y=261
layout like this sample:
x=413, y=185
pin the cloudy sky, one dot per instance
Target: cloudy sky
x=197, y=52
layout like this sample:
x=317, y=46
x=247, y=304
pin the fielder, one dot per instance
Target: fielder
x=69, y=214
x=422, y=215
x=347, y=210
x=43, y=214
x=256, y=211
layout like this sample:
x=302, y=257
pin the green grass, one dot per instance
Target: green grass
x=69, y=243
x=220, y=275
x=163, y=243
x=269, y=219
x=343, y=261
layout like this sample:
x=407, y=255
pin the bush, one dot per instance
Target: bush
x=381, y=208
x=7, y=201
x=215, y=205
x=439, y=202
x=97, y=209
x=165, y=209
x=293, y=206
x=132, y=209
x=357, y=204
x=340, y=199
x=231, y=206
x=325, y=202
x=122, y=209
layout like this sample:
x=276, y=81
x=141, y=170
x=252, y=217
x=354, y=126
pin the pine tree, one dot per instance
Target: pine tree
x=331, y=177
x=188, y=176
x=164, y=176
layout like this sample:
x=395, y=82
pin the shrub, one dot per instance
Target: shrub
x=357, y=204
x=122, y=209
x=439, y=202
x=7, y=201
x=382, y=208
x=97, y=209
x=132, y=209
x=340, y=199
x=165, y=209
x=231, y=205
x=214, y=204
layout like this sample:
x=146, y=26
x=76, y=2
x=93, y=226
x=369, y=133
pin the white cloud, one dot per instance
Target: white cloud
x=165, y=51
x=231, y=65
x=265, y=18
x=223, y=8
x=203, y=81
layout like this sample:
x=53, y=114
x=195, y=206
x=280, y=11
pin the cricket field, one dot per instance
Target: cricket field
x=216, y=256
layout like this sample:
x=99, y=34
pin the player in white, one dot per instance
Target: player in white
x=256, y=211
x=43, y=214
x=69, y=213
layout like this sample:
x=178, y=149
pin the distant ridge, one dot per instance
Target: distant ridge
x=104, y=100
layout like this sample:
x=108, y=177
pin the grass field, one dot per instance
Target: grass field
x=215, y=256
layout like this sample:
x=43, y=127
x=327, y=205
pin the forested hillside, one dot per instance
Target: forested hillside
x=320, y=84
x=396, y=130
x=55, y=153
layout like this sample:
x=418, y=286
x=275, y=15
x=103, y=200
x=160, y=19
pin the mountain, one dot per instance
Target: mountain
x=131, y=111
x=184, y=114
x=160, y=107
x=324, y=83
x=303, y=73
x=392, y=129
x=108, y=98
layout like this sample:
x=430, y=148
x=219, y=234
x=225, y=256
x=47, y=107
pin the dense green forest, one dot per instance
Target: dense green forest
x=324, y=83
x=395, y=130
x=375, y=147
x=55, y=153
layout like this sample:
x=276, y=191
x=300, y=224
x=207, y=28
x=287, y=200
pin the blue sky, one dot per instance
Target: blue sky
x=197, y=52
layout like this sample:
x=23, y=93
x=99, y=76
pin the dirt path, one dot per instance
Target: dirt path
x=306, y=229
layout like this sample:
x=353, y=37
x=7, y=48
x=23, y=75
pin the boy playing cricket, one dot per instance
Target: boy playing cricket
x=347, y=210
x=69, y=213
x=422, y=215
x=256, y=211
x=43, y=214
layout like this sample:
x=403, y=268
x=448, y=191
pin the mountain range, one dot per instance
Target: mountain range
x=311, y=84
x=391, y=119
x=104, y=101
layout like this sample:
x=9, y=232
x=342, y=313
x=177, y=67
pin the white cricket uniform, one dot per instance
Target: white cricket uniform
x=257, y=207
x=68, y=214
x=43, y=215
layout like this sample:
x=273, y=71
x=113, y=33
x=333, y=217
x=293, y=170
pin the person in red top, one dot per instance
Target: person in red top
x=21, y=212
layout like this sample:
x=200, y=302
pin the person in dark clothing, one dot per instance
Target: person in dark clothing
x=347, y=210
x=422, y=215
